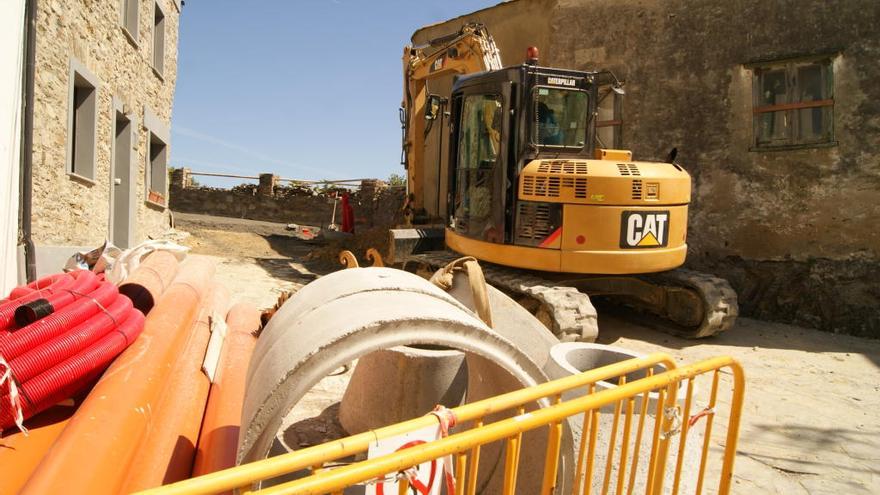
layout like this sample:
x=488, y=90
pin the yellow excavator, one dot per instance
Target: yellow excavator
x=554, y=218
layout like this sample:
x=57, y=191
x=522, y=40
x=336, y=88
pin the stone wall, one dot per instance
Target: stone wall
x=375, y=204
x=66, y=209
x=794, y=231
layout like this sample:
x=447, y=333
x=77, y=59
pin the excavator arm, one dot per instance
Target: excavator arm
x=470, y=50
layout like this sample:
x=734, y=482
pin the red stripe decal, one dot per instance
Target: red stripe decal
x=551, y=238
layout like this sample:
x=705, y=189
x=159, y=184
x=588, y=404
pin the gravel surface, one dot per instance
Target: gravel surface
x=810, y=424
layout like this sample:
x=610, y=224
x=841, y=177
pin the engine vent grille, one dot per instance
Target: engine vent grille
x=637, y=189
x=560, y=174
x=534, y=223
x=563, y=167
x=546, y=187
x=628, y=169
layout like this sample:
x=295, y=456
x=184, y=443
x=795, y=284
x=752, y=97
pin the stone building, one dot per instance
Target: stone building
x=103, y=88
x=773, y=107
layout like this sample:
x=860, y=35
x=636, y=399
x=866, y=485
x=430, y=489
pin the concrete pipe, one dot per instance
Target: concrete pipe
x=412, y=379
x=348, y=314
x=486, y=379
x=571, y=358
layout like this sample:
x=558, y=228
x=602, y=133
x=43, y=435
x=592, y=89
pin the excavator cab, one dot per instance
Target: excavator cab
x=530, y=189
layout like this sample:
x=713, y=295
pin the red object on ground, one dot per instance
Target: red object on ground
x=347, y=215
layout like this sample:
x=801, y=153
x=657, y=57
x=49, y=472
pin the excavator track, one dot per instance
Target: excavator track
x=681, y=302
x=719, y=303
x=566, y=311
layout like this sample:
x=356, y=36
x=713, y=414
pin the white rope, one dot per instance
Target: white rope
x=673, y=414
x=14, y=397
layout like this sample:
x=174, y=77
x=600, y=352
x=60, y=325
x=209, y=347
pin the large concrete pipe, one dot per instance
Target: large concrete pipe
x=413, y=379
x=348, y=314
x=571, y=358
x=487, y=379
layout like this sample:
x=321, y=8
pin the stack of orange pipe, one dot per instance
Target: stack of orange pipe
x=166, y=454
x=94, y=452
x=218, y=440
x=20, y=454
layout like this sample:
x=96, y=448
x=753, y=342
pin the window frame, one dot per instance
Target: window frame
x=793, y=86
x=466, y=228
x=616, y=121
x=158, y=63
x=156, y=131
x=80, y=76
x=533, y=124
x=123, y=18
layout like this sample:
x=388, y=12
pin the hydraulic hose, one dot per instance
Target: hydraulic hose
x=75, y=373
x=56, y=350
x=14, y=344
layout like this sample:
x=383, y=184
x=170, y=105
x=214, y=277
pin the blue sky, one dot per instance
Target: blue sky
x=303, y=88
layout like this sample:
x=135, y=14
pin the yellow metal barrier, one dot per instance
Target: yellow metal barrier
x=672, y=423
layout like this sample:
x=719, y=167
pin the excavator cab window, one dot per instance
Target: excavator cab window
x=479, y=146
x=560, y=117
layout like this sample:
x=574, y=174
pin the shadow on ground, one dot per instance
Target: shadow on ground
x=614, y=323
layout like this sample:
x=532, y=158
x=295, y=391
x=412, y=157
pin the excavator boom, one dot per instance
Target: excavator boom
x=468, y=51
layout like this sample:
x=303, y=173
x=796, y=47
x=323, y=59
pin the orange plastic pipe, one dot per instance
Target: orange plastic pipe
x=149, y=280
x=218, y=440
x=93, y=453
x=166, y=454
x=20, y=454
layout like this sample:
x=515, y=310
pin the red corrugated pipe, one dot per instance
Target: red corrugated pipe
x=72, y=375
x=61, y=354
x=56, y=281
x=81, y=282
x=53, y=351
x=59, y=322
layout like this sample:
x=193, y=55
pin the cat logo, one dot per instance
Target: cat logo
x=644, y=229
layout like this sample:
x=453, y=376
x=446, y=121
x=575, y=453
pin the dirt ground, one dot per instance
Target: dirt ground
x=811, y=421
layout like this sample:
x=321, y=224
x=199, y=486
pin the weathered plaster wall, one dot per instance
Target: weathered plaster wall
x=66, y=210
x=794, y=231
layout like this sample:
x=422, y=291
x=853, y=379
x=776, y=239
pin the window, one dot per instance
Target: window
x=129, y=18
x=560, y=118
x=479, y=143
x=81, y=122
x=158, y=39
x=793, y=104
x=158, y=139
x=158, y=170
